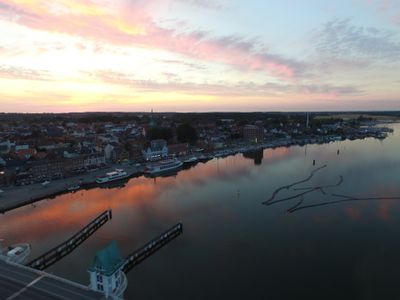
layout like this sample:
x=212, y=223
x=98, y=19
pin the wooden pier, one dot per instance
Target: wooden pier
x=153, y=246
x=60, y=251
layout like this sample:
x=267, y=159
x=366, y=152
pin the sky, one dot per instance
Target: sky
x=199, y=55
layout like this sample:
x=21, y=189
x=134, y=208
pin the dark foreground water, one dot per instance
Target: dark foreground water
x=233, y=247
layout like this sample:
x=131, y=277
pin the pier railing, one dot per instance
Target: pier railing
x=55, y=254
x=151, y=247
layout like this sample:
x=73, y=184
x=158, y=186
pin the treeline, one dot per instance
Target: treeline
x=116, y=117
x=184, y=132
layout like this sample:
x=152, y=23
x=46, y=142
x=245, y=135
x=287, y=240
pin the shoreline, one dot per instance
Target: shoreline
x=16, y=196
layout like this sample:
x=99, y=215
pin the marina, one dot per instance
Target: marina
x=226, y=225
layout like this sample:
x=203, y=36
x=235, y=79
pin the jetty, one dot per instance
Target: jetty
x=109, y=268
x=55, y=254
x=151, y=247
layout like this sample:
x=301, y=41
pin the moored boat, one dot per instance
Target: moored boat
x=74, y=188
x=17, y=253
x=190, y=160
x=203, y=158
x=45, y=183
x=218, y=155
x=381, y=135
x=163, y=167
x=118, y=174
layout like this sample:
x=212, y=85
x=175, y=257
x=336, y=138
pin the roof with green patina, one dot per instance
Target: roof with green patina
x=107, y=260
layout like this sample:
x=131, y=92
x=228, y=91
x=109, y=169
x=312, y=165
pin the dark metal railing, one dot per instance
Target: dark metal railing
x=55, y=254
x=151, y=247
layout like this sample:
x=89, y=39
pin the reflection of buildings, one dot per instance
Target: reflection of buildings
x=256, y=155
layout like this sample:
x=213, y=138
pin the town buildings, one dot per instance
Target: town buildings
x=34, y=148
x=253, y=133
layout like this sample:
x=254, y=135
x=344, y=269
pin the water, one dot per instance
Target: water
x=233, y=247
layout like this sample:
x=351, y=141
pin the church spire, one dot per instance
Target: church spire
x=152, y=123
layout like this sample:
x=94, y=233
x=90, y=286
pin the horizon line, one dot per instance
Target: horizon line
x=204, y=112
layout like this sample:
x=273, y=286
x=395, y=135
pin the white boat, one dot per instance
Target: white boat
x=163, y=167
x=74, y=188
x=45, y=183
x=118, y=174
x=190, y=160
x=381, y=135
x=17, y=253
x=203, y=158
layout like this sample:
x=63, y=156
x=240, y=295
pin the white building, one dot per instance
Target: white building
x=158, y=150
x=106, y=275
x=109, y=152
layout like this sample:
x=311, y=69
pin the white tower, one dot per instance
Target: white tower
x=106, y=275
x=308, y=121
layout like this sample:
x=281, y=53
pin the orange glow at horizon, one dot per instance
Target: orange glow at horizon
x=82, y=55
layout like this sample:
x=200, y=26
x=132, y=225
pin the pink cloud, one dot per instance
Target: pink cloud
x=132, y=25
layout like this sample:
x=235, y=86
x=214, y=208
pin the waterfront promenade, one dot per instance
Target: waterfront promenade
x=16, y=196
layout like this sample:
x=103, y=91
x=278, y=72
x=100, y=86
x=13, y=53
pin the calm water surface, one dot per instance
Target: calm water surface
x=233, y=247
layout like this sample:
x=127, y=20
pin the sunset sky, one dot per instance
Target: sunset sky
x=199, y=55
